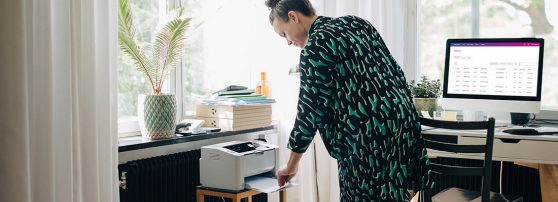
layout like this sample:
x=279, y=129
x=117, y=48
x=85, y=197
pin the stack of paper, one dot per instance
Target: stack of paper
x=264, y=184
x=234, y=117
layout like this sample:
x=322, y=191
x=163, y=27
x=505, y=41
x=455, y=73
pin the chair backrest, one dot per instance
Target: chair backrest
x=485, y=171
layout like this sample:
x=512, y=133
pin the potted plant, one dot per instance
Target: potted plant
x=425, y=94
x=156, y=111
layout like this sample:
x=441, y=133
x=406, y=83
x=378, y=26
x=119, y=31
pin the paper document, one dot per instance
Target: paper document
x=265, y=184
x=425, y=114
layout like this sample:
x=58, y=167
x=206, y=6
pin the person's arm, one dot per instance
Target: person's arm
x=285, y=175
x=317, y=61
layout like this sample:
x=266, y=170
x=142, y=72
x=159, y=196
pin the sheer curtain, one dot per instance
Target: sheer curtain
x=58, y=106
x=396, y=22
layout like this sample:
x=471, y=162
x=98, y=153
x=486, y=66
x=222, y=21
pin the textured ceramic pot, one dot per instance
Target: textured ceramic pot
x=157, y=114
x=425, y=104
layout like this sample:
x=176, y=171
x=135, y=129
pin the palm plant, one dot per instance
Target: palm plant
x=167, y=45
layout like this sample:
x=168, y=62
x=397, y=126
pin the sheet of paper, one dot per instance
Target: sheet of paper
x=265, y=184
x=425, y=114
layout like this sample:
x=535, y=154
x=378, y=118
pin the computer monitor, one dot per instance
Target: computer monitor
x=493, y=75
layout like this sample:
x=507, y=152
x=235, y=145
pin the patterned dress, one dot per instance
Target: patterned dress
x=355, y=94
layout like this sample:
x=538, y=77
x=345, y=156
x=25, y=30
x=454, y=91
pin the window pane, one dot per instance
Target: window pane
x=532, y=18
x=231, y=42
x=441, y=20
x=131, y=81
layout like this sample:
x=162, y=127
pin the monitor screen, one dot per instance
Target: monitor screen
x=507, y=69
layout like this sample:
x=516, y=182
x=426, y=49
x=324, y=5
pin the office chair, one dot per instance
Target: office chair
x=456, y=194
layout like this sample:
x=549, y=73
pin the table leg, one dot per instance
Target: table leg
x=200, y=195
x=283, y=195
x=548, y=175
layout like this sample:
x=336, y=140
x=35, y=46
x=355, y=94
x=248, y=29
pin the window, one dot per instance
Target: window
x=228, y=42
x=441, y=20
x=132, y=82
x=232, y=45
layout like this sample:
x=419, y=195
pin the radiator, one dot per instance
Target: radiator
x=517, y=180
x=168, y=178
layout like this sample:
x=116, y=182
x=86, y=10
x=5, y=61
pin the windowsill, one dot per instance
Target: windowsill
x=137, y=142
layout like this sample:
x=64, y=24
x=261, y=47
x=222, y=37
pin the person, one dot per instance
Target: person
x=355, y=94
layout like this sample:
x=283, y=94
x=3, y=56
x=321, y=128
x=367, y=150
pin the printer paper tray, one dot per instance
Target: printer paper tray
x=264, y=184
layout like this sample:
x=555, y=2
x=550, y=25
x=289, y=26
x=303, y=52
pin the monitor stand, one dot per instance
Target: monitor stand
x=502, y=118
x=474, y=115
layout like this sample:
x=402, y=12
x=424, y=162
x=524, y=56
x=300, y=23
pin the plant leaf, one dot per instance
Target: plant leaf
x=169, y=44
x=125, y=23
x=128, y=44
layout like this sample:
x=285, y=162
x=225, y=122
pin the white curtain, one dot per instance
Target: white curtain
x=396, y=22
x=57, y=114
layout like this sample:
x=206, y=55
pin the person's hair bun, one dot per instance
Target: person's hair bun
x=272, y=3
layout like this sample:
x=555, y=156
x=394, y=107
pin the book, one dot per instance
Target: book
x=238, y=102
x=230, y=113
x=241, y=95
x=231, y=118
x=230, y=125
x=236, y=92
x=220, y=122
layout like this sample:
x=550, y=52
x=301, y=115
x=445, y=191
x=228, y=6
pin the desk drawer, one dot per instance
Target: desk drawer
x=519, y=149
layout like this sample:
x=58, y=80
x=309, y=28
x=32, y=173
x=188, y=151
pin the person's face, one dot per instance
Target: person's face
x=292, y=30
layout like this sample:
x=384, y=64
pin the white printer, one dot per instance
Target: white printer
x=225, y=165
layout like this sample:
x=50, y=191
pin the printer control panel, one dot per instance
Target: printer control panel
x=242, y=147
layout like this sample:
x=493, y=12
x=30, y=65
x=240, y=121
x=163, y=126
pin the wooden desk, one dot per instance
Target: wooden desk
x=201, y=192
x=539, y=152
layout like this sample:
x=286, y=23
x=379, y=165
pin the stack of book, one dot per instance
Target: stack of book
x=239, y=97
x=234, y=117
x=236, y=108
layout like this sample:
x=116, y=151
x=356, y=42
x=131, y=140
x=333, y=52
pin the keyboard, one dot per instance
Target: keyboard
x=547, y=130
x=532, y=130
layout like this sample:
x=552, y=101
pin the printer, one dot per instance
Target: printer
x=226, y=165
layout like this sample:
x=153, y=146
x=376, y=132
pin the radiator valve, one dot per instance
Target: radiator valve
x=122, y=180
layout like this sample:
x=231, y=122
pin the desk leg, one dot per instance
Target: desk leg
x=249, y=198
x=283, y=195
x=548, y=175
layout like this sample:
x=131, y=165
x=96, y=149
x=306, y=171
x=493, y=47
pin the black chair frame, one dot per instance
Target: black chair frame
x=485, y=172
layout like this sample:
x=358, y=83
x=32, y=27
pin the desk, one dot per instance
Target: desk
x=540, y=152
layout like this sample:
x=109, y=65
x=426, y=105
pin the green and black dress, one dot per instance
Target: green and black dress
x=355, y=94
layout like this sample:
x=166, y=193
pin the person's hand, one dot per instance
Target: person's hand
x=286, y=174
